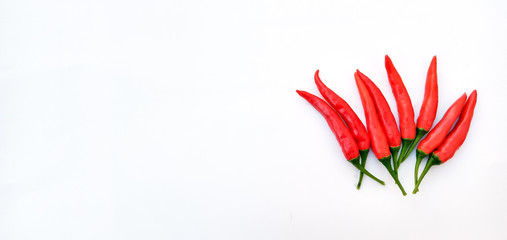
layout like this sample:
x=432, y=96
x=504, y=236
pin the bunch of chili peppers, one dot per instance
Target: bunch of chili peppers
x=390, y=145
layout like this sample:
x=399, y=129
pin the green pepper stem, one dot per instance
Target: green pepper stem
x=405, y=143
x=356, y=163
x=387, y=163
x=429, y=164
x=419, y=134
x=364, y=155
x=420, y=155
x=394, y=153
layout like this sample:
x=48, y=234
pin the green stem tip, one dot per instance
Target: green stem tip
x=364, y=155
x=420, y=155
x=356, y=163
x=433, y=160
x=387, y=163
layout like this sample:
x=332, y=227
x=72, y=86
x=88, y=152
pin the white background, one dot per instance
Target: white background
x=180, y=120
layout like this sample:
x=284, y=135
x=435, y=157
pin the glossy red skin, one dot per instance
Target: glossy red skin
x=385, y=115
x=378, y=139
x=355, y=125
x=437, y=135
x=459, y=133
x=403, y=102
x=341, y=132
x=430, y=102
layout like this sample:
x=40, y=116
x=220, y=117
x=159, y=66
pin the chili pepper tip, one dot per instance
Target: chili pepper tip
x=388, y=62
x=316, y=75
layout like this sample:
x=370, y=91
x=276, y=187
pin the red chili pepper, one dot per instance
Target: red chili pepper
x=385, y=116
x=454, y=140
x=341, y=132
x=379, y=142
x=428, y=109
x=437, y=135
x=404, y=104
x=355, y=125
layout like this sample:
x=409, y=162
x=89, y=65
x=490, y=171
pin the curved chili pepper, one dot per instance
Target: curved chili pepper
x=437, y=135
x=341, y=132
x=385, y=116
x=355, y=125
x=428, y=109
x=454, y=140
x=404, y=105
x=379, y=143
